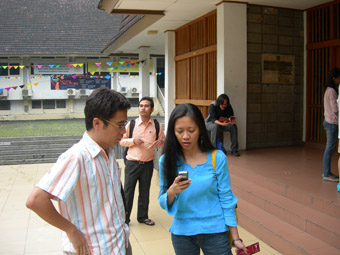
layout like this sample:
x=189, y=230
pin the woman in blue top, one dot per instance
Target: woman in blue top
x=203, y=206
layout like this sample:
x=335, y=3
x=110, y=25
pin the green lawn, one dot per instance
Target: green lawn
x=42, y=128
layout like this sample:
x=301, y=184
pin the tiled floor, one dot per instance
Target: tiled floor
x=22, y=232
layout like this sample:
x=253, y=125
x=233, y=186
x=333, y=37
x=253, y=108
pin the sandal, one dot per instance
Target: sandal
x=148, y=222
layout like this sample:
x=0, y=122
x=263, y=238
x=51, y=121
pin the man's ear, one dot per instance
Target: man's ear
x=96, y=122
x=152, y=109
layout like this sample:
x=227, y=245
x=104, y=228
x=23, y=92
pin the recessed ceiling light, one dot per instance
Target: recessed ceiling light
x=152, y=32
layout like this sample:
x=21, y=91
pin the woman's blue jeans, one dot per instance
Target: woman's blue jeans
x=332, y=138
x=211, y=244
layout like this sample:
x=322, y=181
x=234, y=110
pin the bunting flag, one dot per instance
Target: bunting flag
x=122, y=64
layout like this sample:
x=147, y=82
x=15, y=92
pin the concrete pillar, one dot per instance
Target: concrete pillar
x=144, y=70
x=153, y=83
x=232, y=61
x=169, y=74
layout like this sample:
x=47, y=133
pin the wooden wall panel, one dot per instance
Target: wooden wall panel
x=182, y=41
x=211, y=84
x=211, y=28
x=197, y=35
x=197, y=77
x=182, y=79
x=196, y=62
x=322, y=42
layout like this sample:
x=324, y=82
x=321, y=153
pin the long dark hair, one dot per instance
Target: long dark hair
x=334, y=73
x=172, y=149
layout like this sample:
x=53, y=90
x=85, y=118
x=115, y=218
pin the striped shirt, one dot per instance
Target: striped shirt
x=86, y=183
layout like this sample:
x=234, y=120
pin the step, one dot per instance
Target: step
x=27, y=161
x=32, y=155
x=330, y=208
x=29, y=148
x=34, y=138
x=307, y=219
x=6, y=144
x=282, y=236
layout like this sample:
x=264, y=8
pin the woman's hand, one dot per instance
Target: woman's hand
x=176, y=188
x=240, y=245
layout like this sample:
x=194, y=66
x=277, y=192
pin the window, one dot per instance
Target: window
x=7, y=71
x=61, y=103
x=48, y=104
x=36, y=104
x=5, y=105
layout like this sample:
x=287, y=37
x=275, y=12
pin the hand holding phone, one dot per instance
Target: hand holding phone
x=251, y=249
x=184, y=174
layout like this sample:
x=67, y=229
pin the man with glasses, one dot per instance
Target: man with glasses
x=139, y=159
x=221, y=118
x=85, y=181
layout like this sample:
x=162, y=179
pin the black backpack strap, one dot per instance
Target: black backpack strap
x=157, y=128
x=132, y=126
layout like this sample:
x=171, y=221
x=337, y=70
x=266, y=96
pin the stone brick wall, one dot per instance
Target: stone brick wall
x=275, y=77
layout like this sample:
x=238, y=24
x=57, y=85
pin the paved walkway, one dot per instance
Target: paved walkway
x=22, y=232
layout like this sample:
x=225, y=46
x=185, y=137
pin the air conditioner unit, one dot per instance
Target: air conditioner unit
x=83, y=93
x=3, y=93
x=26, y=92
x=71, y=92
x=124, y=90
x=134, y=91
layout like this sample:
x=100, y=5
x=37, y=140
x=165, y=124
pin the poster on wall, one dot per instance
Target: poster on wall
x=58, y=69
x=61, y=82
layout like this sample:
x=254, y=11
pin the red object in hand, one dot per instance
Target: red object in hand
x=251, y=249
x=223, y=119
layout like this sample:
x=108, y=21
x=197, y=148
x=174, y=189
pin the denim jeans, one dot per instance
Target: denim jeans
x=211, y=244
x=332, y=138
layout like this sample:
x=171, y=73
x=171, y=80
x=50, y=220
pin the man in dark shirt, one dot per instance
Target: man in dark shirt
x=221, y=118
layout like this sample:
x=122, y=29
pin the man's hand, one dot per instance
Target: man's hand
x=138, y=141
x=158, y=143
x=79, y=242
x=225, y=124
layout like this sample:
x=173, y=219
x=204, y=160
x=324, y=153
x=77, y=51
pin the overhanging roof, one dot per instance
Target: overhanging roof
x=176, y=14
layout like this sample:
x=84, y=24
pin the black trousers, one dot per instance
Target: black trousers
x=134, y=171
x=216, y=131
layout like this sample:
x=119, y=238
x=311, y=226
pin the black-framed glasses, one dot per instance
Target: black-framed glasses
x=120, y=126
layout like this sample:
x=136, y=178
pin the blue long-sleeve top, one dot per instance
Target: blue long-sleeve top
x=208, y=205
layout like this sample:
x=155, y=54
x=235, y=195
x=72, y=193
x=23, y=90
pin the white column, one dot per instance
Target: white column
x=153, y=83
x=169, y=74
x=232, y=61
x=144, y=70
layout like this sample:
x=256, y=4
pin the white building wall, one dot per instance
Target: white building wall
x=40, y=86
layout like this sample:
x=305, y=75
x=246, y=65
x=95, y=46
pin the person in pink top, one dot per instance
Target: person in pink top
x=139, y=159
x=330, y=122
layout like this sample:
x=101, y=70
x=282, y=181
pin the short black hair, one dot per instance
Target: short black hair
x=148, y=99
x=103, y=103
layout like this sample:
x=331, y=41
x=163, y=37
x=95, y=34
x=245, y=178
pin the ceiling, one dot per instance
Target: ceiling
x=176, y=14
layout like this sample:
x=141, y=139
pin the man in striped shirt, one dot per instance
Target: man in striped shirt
x=86, y=183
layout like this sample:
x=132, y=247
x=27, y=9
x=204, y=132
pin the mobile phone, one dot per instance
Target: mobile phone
x=184, y=174
x=251, y=249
